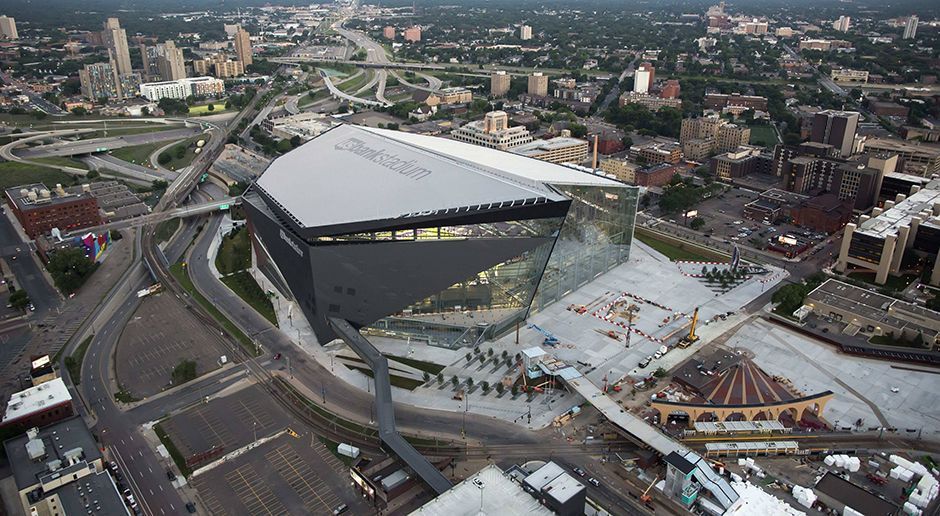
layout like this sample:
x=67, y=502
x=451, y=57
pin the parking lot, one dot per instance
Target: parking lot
x=724, y=220
x=288, y=475
x=227, y=423
x=160, y=335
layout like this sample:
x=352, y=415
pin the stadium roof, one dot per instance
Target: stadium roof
x=352, y=174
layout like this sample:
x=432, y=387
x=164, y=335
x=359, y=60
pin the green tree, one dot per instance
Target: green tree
x=454, y=380
x=500, y=389
x=440, y=378
x=183, y=372
x=515, y=389
x=489, y=352
x=697, y=223
x=164, y=158
x=70, y=268
x=469, y=357
x=427, y=377
x=469, y=383
x=93, y=174
x=485, y=386
x=19, y=300
x=659, y=373
x=211, y=107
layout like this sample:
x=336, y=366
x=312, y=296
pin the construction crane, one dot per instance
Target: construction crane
x=550, y=339
x=645, y=497
x=691, y=338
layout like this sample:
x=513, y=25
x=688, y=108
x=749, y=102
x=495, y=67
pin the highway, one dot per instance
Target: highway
x=91, y=145
x=336, y=92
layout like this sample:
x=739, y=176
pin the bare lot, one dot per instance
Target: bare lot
x=160, y=335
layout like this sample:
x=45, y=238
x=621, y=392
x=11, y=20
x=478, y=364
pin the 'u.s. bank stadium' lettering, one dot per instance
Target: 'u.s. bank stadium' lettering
x=408, y=168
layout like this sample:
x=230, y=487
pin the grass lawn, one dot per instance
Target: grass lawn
x=896, y=283
x=73, y=362
x=333, y=446
x=763, y=133
x=318, y=94
x=166, y=229
x=62, y=161
x=128, y=129
x=396, y=381
x=203, y=109
x=419, y=364
x=138, y=154
x=352, y=85
x=188, y=155
x=179, y=272
x=673, y=252
x=16, y=174
x=243, y=284
x=234, y=253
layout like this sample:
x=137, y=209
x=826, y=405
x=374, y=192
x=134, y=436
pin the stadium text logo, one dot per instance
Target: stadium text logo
x=381, y=157
x=293, y=245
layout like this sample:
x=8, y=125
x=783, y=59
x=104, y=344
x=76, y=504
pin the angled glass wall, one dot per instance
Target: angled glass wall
x=485, y=304
x=595, y=238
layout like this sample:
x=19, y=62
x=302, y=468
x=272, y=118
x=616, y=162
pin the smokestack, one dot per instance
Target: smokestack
x=594, y=163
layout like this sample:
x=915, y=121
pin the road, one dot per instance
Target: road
x=88, y=146
x=336, y=92
x=143, y=175
x=375, y=53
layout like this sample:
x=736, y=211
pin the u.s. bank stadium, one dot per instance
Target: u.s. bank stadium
x=428, y=238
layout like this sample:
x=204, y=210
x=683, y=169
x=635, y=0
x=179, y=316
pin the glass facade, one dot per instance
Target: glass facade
x=488, y=302
x=594, y=237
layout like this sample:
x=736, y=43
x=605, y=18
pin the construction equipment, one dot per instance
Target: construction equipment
x=550, y=339
x=579, y=309
x=691, y=338
x=610, y=333
x=645, y=497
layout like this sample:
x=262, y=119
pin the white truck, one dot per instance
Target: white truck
x=348, y=450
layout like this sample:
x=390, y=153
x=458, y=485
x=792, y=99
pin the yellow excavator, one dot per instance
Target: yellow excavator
x=691, y=338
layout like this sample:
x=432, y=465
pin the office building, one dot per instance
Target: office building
x=488, y=491
x=115, y=38
x=622, y=169
x=909, y=223
x=463, y=227
x=655, y=152
x=499, y=83
x=919, y=159
x=183, y=88
x=525, y=32
x=643, y=78
x=492, y=132
x=170, y=62
x=39, y=405
x=413, y=34
x=848, y=75
x=8, y=28
x=39, y=209
x=218, y=65
x=732, y=136
x=651, y=102
x=702, y=136
x=231, y=29
x=842, y=24
x=739, y=163
x=836, y=128
x=243, y=47
x=59, y=470
x=538, y=84
x=388, y=32
x=658, y=175
x=671, y=89
x=910, y=28
x=722, y=101
x=454, y=95
x=561, y=149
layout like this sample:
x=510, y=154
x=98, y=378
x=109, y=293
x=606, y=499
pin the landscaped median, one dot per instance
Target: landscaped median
x=233, y=262
x=178, y=270
x=676, y=249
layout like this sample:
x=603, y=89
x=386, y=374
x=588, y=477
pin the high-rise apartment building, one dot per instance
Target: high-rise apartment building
x=243, y=46
x=732, y=136
x=115, y=38
x=643, y=78
x=910, y=30
x=525, y=32
x=8, y=28
x=413, y=34
x=538, y=84
x=842, y=24
x=170, y=62
x=150, y=58
x=499, y=83
x=836, y=128
x=99, y=80
x=388, y=32
x=671, y=89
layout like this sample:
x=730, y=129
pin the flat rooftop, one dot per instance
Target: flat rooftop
x=919, y=204
x=537, y=147
x=352, y=174
x=37, y=195
x=854, y=496
x=870, y=305
x=36, y=399
x=57, y=439
x=93, y=494
x=490, y=491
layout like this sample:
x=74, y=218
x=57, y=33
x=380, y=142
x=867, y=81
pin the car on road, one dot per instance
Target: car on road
x=645, y=362
x=579, y=471
x=277, y=356
x=190, y=507
x=593, y=481
x=340, y=509
x=170, y=475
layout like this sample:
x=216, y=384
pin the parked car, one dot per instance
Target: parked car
x=579, y=471
x=593, y=481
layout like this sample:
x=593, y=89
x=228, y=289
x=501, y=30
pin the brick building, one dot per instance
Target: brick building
x=38, y=406
x=826, y=213
x=40, y=209
x=658, y=175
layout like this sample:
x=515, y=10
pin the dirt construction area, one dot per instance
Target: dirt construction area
x=160, y=335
